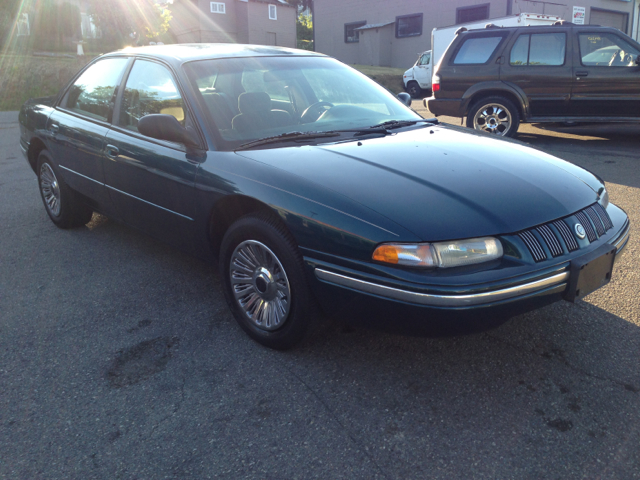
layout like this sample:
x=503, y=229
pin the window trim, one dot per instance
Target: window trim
x=218, y=4
x=399, y=17
x=353, y=24
x=275, y=12
x=471, y=7
x=530, y=34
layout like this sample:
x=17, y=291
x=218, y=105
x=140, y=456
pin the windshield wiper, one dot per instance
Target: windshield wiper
x=389, y=124
x=289, y=136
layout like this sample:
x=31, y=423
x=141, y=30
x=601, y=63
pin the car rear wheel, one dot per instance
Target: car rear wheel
x=64, y=207
x=264, y=282
x=414, y=89
x=494, y=115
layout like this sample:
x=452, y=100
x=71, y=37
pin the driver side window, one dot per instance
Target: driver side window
x=606, y=50
x=150, y=89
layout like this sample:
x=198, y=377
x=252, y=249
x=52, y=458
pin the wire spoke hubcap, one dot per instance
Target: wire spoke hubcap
x=493, y=118
x=260, y=285
x=50, y=189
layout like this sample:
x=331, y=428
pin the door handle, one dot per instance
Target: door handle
x=582, y=73
x=54, y=128
x=112, y=151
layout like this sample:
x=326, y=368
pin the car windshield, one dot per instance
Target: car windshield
x=259, y=97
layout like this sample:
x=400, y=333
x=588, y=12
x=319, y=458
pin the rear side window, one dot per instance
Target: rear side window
x=92, y=94
x=476, y=50
x=539, y=49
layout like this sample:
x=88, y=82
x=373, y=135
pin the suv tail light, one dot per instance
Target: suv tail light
x=435, y=83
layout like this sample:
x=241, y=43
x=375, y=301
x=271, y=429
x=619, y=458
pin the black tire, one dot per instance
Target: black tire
x=414, y=89
x=490, y=114
x=263, y=234
x=63, y=205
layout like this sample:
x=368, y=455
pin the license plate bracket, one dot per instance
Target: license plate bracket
x=590, y=272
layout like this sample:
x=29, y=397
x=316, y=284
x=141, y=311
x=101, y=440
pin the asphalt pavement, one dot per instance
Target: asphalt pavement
x=119, y=359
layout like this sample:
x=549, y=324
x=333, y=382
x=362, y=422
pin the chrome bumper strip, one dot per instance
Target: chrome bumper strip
x=558, y=280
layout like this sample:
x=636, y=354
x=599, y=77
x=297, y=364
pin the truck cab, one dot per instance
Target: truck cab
x=418, y=77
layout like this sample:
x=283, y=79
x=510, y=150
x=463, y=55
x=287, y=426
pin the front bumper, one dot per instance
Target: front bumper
x=379, y=301
x=444, y=106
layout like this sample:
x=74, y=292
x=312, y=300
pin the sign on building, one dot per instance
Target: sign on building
x=579, y=14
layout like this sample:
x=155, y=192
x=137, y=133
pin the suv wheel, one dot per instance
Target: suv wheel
x=495, y=115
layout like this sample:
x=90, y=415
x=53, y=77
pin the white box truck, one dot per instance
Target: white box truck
x=418, y=77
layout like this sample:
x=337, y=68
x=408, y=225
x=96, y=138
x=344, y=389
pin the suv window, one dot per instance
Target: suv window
x=606, y=49
x=477, y=50
x=539, y=49
x=150, y=89
x=92, y=94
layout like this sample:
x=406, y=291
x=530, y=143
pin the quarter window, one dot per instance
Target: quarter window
x=472, y=14
x=476, y=50
x=218, y=7
x=351, y=35
x=409, y=25
x=93, y=93
x=543, y=49
x=606, y=50
x=150, y=89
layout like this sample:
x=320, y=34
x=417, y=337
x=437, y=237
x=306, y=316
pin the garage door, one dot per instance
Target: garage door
x=607, y=18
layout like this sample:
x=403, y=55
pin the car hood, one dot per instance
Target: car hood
x=442, y=184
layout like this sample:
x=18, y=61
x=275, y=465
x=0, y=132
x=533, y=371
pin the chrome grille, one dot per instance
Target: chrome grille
x=552, y=241
x=594, y=219
x=567, y=236
x=584, y=220
x=533, y=245
x=604, y=216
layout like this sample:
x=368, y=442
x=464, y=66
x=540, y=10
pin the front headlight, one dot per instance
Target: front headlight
x=604, y=197
x=455, y=253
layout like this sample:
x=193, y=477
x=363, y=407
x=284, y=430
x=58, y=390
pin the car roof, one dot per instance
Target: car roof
x=524, y=27
x=185, y=52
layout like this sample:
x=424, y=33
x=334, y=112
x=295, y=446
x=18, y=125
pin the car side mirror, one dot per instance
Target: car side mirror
x=405, y=98
x=165, y=127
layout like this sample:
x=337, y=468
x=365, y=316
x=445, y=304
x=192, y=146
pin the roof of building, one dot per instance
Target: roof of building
x=374, y=25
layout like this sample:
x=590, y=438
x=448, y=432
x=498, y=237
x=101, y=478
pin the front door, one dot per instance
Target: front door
x=607, y=77
x=422, y=71
x=538, y=63
x=151, y=182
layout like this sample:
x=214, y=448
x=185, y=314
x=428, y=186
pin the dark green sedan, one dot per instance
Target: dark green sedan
x=317, y=191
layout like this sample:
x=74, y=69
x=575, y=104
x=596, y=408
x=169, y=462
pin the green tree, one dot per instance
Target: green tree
x=304, y=31
x=124, y=22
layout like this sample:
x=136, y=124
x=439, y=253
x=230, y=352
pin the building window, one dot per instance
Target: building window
x=217, y=7
x=472, y=14
x=351, y=35
x=273, y=14
x=409, y=25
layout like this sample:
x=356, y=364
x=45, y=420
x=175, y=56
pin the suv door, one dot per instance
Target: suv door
x=607, y=77
x=151, y=182
x=538, y=63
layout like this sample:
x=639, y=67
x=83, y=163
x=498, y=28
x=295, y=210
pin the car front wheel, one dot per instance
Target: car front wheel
x=494, y=115
x=62, y=204
x=264, y=282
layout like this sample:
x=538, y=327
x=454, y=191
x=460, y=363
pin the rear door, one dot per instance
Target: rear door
x=79, y=125
x=538, y=63
x=151, y=182
x=607, y=77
